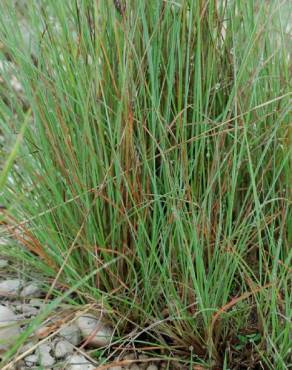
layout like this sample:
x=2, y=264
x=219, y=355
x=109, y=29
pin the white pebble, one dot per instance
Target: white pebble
x=31, y=360
x=93, y=329
x=31, y=290
x=10, y=287
x=129, y=356
x=71, y=333
x=135, y=367
x=26, y=347
x=63, y=348
x=143, y=357
x=9, y=329
x=27, y=309
x=78, y=362
x=45, y=357
x=36, y=302
x=152, y=367
x=3, y=264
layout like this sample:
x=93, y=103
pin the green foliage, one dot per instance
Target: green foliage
x=159, y=136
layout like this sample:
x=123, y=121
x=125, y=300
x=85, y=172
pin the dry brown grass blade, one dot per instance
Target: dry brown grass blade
x=121, y=7
x=25, y=237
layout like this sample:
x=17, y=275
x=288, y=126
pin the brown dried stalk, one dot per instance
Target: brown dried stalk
x=120, y=6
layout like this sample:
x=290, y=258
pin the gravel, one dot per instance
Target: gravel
x=9, y=288
x=135, y=367
x=21, y=300
x=31, y=360
x=31, y=290
x=3, y=264
x=94, y=330
x=63, y=349
x=9, y=329
x=152, y=367
x=45, y=357
x=27, y=310
x=71, y=333
x=79, y=362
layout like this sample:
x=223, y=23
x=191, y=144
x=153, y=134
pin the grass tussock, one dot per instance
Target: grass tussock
x=158, y=152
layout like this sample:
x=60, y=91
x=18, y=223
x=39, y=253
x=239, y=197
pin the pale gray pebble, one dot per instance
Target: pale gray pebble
x=134, y=367
x=31, y=290
x=3, y=264
x=130, y=356
x=27, y=309
x=36, y=302
x=144, y=361
x=143, y=357
x=10, y=287
x=31, y=360
x=115, y=368
x=9, y=329
x=71, y=333
x=79, y=362
x=63, y=348
x=93, y=329
x=47, y=360
x=152, y=367
x=44, y=347
x=26, y=347
x=45, y=357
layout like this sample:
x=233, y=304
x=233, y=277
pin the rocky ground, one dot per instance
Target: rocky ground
x=65, y=340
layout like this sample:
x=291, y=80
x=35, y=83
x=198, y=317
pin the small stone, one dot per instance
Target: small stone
x=63, y=348
x=45, y=357
x=3, y=264
x=115, y=368
x=144, y=361
x=31, y=360
x=9, y=330
x=78, y=362
x=143, y=357
x=45, y=347
x=26, y=347
x=94, y=330
x=152, y=367
x=10, y=287
x=71, y=333
x=35, y=302
x=135, y=367
x=130, y=356
x=31, y=290
x=30, y=311
x=27, y=309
